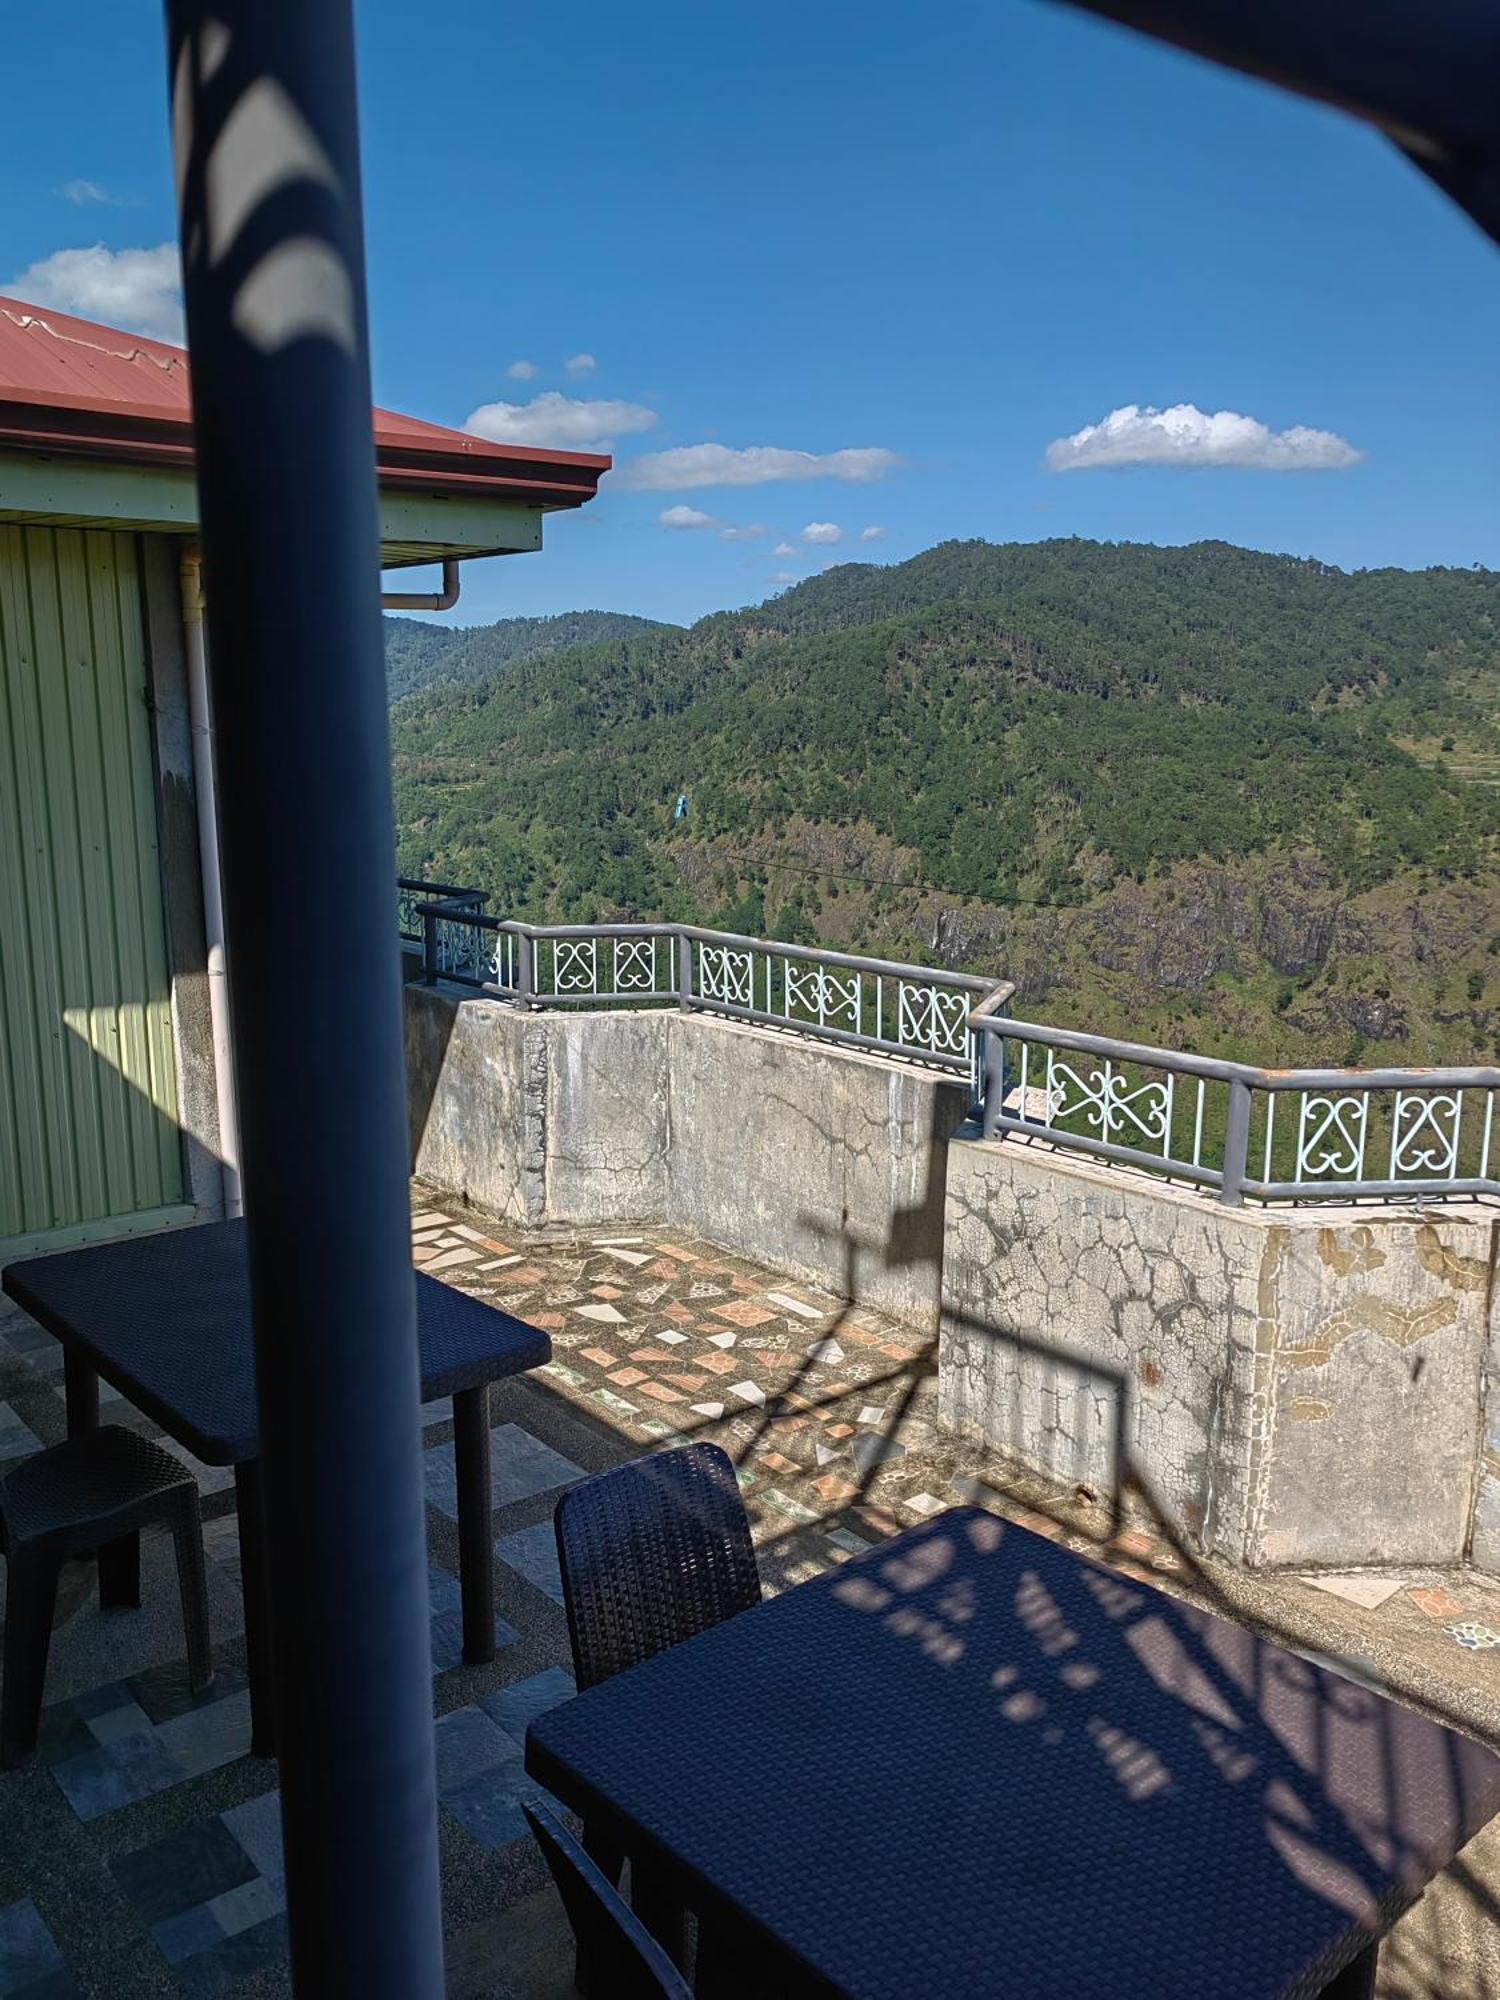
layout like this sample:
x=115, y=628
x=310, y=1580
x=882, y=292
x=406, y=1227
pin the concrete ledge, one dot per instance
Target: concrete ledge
x=825, y=1162
x=1293, y=1387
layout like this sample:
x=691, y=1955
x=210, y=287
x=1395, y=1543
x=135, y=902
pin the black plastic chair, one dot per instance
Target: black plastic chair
x=651, y=1554
x=95, y=1491
x=629, y=1963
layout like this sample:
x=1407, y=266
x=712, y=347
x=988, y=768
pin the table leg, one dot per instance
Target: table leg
x=81, y=1387
x=1357, y=1980
x=652, y=1899
x=476, y=1554
x=253, y=1585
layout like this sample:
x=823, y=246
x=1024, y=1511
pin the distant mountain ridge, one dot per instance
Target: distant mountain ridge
x=1243, y=802
x=419, y=655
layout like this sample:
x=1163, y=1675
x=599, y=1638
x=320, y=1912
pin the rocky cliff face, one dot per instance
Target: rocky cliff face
x=1266, y=956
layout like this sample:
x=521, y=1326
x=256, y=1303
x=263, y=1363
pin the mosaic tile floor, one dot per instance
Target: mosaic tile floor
x=140, y=1855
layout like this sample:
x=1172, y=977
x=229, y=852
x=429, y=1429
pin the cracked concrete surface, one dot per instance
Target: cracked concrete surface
x=1294, y=1387
x=1240, y=1361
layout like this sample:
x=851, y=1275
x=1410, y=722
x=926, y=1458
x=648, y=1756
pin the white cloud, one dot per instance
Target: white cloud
x=786, y=576
x=784, y=549
x=580, y=364
x=82, y=193
x=750, y=532
x=521, y=371
x=1187, y=436
x=140, y=290
x=559, y=422
x=686, y=517
x=872, y=534
x=822, y=531
x=757, y=465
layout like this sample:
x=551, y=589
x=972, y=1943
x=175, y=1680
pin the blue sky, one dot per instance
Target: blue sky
x=946, y=238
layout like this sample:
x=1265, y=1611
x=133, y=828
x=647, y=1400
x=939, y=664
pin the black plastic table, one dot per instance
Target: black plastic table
x=972, y=1764
x=166, y=1320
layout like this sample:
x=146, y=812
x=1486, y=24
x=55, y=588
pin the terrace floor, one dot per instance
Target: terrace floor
x=140, y=1856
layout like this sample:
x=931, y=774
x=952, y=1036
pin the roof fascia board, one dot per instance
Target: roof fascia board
x=165, y=498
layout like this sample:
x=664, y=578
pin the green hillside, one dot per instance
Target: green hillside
x=419, y=655
x=1198, y=792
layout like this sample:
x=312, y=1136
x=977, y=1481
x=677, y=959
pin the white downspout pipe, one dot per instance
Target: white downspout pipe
x=426, y=600
x=201, y=721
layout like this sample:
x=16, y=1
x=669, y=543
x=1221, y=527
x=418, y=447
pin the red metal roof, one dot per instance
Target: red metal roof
x=71, y=387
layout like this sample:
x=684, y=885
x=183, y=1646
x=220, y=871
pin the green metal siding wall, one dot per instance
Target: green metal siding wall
x=88, y=1127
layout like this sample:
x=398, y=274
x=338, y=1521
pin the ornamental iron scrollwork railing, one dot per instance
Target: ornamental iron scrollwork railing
x=1241, y=1132
x=411, y=894
x=1234, y=1130
x=918, y=1013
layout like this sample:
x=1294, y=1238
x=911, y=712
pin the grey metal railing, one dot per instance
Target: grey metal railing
x=1235, y=1130
x=1269, y=1135
x=913, y=1011
x=411, y=894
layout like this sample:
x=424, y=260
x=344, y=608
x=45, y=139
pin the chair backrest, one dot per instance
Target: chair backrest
x=631, y=1964
x=651, y=1554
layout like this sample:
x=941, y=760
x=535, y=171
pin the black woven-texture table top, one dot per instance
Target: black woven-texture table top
x=166, y=1319
x=970, y=1763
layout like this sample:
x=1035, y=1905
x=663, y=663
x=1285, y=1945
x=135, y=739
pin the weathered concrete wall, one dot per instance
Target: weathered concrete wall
x=476, y=1092
x=827, y=1163
x=607, y=1119
x=1298, y=1388
x=1485, y=1540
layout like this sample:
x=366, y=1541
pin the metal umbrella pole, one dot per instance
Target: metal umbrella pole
x=264, y=131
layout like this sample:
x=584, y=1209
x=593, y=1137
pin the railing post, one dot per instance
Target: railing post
x=1236, y=1144
x=684, y=971
x=525, y=968
x=429, y=948
x=994, y=1084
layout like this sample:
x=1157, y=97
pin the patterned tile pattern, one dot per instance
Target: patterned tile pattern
x=16, y=1440
x=520, y=1465
x=665, y=1338
x=212, y=1895
x=31, y=1966
x=119, y=1744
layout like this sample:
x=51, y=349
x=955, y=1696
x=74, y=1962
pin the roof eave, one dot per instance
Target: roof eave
x=136, y=435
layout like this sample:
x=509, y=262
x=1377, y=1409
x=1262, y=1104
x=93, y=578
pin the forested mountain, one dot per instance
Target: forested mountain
x=1228, y=799
x=419, y=655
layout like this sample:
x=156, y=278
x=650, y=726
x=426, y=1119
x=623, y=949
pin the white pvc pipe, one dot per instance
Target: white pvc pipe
x=426, y=600
x=200, y=718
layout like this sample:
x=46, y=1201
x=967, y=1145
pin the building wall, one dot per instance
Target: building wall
x=89, y=1138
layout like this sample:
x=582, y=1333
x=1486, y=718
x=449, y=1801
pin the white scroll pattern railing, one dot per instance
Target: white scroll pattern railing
x=1238, y=1131
x=916, y=1012
x=1267, y=1135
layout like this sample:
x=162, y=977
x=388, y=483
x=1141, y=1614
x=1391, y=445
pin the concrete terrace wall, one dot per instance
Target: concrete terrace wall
x=829, y=1164
x=1292, y=1387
